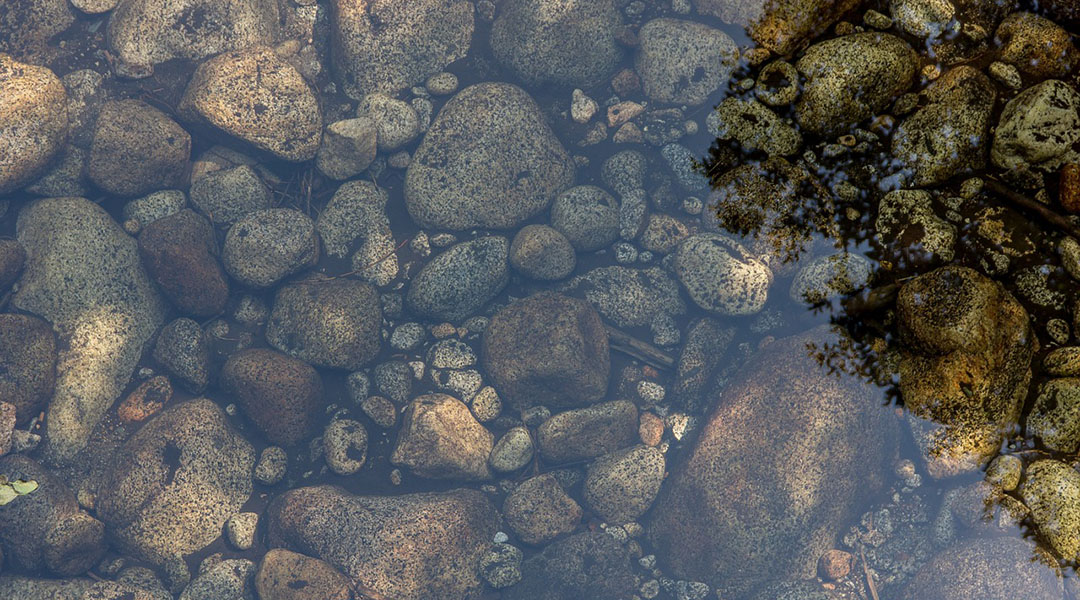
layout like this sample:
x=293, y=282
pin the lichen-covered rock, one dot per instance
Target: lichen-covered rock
x=386, y=45
x=27, y=364
x=779, y=25
x=997, y=567
x=549, y=350
x=1055, y=416
x=1039, y=128
x=588, y=432
x=456, y=283
x=279, y=393
x=538, y=510
x=1051, y=491
x=721, y=276
x=965, y=367
x=258, y=97
x=137, y=149
x=357, y=213
x=563, y=42
x=622, y=485
x=683, y=62
x=488, y=160
x=440, y=439
x=174, y=483
x=906, y=224
x=268, y=245
x=629, y=297
x=850, y=78
x=541, y=252
x=764, y=492
x=587, y=565
x=335, y=323
x=285, y=575
x=83, y=274
x=411, y=547
x=180, y=254
x=33, y=120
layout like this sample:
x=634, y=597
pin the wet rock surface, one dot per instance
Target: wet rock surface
x=137, y=149
x=998, y=567
x=683, y=61
x=279, y=393
x=461, y=280
x=180, y=254
x=440, y=439
x=33, y=110
x=334, y=323
x=28, y=363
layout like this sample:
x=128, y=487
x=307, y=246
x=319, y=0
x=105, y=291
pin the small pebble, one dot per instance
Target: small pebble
x=240, y=529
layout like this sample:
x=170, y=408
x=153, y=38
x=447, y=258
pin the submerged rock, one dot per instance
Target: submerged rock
x=279, y=393
x=456, y=283
x=588, y=432
x=629, y=297
x=587, y=565
x=137, y=149
x=180, y=253
x=1055, y=416
x=27, y=364
x=683, y=62
x=440, y=439
x=33, y=121
x=542, y=253
x=906, y=224
x=721, y=276
x=779, y=25
x=1051, y=491
x=335, y=323
x=1039, y=128
x=1037, y=46
x=268, y=245
x=622, y=485
x=538, y=510
x=356, y=217
x=1000, y=567
x=285, y=575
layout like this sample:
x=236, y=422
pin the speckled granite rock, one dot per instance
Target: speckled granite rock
x=137, y=149
x=683, y=62
x=440, y=439
x=1000, y=567
x=280, y=394
x=456, y=283
x=721, y=276
x=334, y=323
x=33, y=121
x=27, y=364
x=779, y=25
x=285, y=575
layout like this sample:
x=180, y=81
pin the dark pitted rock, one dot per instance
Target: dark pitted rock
x=558, y=41
x=440, y=439
x=268, y=245
x=489, y=160
x=764, y=492
x=137, y=149
x=683, y=62
x=227, y=195
x=965, y=367
x=622, y=485
x=285, y=575
x=588, y=432
x=144, y=33
x=27, y=364
x=174, y=483
x=387, y=46
x=456, y=283
x=180, y=254
x=988, y=568
x=279, y=393
x=779, y=25
x=410, y=547
x=83, y=274
x=146, y=400
x=547, y=350
x=258, y=97
x=539, y=510
x=33, y=119
x=542, y=253
x=12, y=258
x=335, y=323
x=851, y=78
x=345, y=445
x=588, y=565
x=46, y=529
x=184, y=350
x=1037, y=46
x=906, y=224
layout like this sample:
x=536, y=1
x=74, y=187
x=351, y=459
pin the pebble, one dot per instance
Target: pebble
x=407, y=337
x=394, y=380
x=345, y=446
x=582, y=107
x=268, y=245
x=240, y=529
x=1006, y=74
x=442, y=84
x=513, y=451
x=154, y=206
x=358, y=385
x=486, y=405
x=347, y=147
x=1004, y=472
x=835, y=565
x=542, y=253
x=380, y=410
x=271, y=466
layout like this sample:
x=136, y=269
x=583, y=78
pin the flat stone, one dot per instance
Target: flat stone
x=538, y=510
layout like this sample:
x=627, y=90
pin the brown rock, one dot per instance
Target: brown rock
x=12, y=257
x=1037, y=46
x=285, y=575
x=1069, y=194
x=26, y=26
x=626, y=82
x=588, y=432
x=279, y=393
x=33, y=118
x=180, y=255
x=651, y=429
x=835, y=564
x=779, y=25
x=539, y=510
x=27, y=363
x=147, y=399
x=137, y=149
x=440, y=439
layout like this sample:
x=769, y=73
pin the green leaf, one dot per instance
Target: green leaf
x=7, y=494
x=23, y=487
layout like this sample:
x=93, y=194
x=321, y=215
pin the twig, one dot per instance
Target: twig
x=869, y=578
x=365, y=267
x=643, y=351
x=1042, y=210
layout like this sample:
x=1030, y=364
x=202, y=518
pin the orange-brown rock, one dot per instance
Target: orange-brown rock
x=147, y=399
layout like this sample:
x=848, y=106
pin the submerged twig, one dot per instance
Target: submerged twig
x=1041, y=209
x=641, y=350
x=869, y=578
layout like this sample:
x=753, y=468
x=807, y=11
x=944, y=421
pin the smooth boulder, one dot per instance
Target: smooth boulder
x=33, y=121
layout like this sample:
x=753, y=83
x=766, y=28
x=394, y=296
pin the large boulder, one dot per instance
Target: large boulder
x=683, y=62
x=997, y=568
x=83, y=274
x=409, y=547
x=779, y=25
x=26, y=28
x=964, y=367
x=33, y=121
x=489, y=160
x=782, y=462
x=547, y=349
x=173, y=484
x=335, y=323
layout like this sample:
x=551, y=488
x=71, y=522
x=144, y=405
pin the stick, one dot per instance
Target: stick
x=1038, y=207
x=638, y=349
x=869, y=578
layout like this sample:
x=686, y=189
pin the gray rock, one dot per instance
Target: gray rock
x=1039, y=128
x=33, y=120
x=394, y=380
x=999, y=567
x=755, y=127
x=830, y=277
x=538, y=510
x=629, y=297
x=231, y=579
x=501, y=566
x=345, y=445
x=396, y=122
x=240, y=529
x=229, y=195
x=851, y=78
x=388, y=46
x=683, y=62
x=633, y=210
x=907, y=223
x=357, y=212
x=1055, y=416
x=407, y=337
x=624, y=171
x=541, y=252
x=721, y=276
x=268, y=245
x=488, y=160
x=79, y=261
x=184, y=350
x=272, y=465
x=706, y=344
x=1052, y=491
x=335, y=323
x=588, y=217
x=137, y=149
x=451, y=354
x=154, y=206
x=803, y=590
x=587, y=565
x=347, y=148
x=513, y=451
x=558, y=42
x=440, y=439
x=458, y=282
x=442, y=84
x=588, y=432
x=683, y=164
x=622, y=485
x=174, y=483
x=27, y=364
x=410, y=547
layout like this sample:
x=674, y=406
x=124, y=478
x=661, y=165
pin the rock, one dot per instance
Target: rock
x=172, y=485
x=721, y=276
x=27, y=27
x=357, y=212
x=268, y=245
x=1039, y=128
x=258, y=97
x=582, y=107
x=558, y=42
x=950, y=134
x=779, y=25
x=663, y=233
x=229, y=579
x=137, y=149
x=396, y=122
x=46, y=529
x=629, y=297
x=755, y=127
x=1063, y=362
x=84, y=275
x=335, y=323
x=965, y=371
x=549, y=350
x=180, y=254
x=442, y=84
x=539, y=510
x=835, y=565
x=345, y=445
x=488, y=160
x=154, y=206
x=585, y=433
x=285, y=575
x=380, y=410
x=923, y=18
x=144, y=33
x=830, y=277
x=998, y=567
x=12, y=259
x=456, y=283
x=228, y=195
x=906, y=224
x=33, y=119
x=387, y=46
x=622, y=485
x=624, y=171
x=804, y=590
x=1037, y=46
x=440, y=439
x=27, y=364
x=273, y=462
x=1055, y=416
x=588, y=217
x=394, y=380
x=683, y=62
x=501, y=566
x=240, y=529
x=749, y=504
x=851, y=78
x=513, y=451
x=706, y=344
x=150, y=397
x=184, y=350
x=347, y=148
x=279, y=393
x=587, y=565
x=408, y=547
x=542, y=253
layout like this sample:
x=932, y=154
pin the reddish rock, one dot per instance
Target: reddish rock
x=779, y=25
x=27, y=363
x=1069, y=194
x=834, y=564
x=180, y=254
x=285, y=575
x=147, y=399
x=279, y=393
x=626, y=82
x=651, y=429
